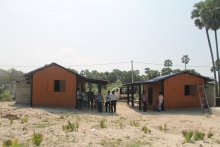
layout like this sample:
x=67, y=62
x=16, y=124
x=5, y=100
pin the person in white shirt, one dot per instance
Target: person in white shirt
x=113, y=102
x=79, y=99
x=107, y=102
x=84, y=100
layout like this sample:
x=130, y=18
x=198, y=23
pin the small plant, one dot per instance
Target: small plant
x=209, y=135
x=187, y=135
x=165, y=126
x=69, y=127
x=198, y=135
x=77, y=126
x=45, y=120
x=11, y=121
x=134, y=123
x=37, y=138
x=102, y=123
x=90, y=143
x=160, y=128
x=146, y=130
x=15, y=143
x=7, y=143
x=127, y=137
x=121, y=126
x=0, y=124
x=24, y=120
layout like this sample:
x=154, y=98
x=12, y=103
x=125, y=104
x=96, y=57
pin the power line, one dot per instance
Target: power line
x=174, y=65
x=107, y=64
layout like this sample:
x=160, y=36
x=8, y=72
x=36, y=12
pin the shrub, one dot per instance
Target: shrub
x=5, y=96
x=160, y=128
x=71, y=126
x=24, y=120
x=134, y=123
x=145, y=129
x=102, y=123
x=7, y=143
x=198, y=136
x=187, y=135
x=37, y=138
x=209, y=135
x=165, y=126
x=11, y=121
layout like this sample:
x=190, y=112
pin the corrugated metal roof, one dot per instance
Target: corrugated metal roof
x=166, y=77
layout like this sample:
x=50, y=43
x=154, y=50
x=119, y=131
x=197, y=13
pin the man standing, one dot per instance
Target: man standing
x=90, y=99
x=84, y=100
x=113, y=101
x=107, y=102
x=79, y=99
x=99, y=99
x=144, y=101
x=160, y=101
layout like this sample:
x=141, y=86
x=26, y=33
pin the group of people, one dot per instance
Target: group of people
x=88, y=101
x=145, y=101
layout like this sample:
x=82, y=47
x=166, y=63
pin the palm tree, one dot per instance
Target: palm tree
x=195, y=14
x=168, y=63
x=147, y=70
x=185, y=59
x=210, y=16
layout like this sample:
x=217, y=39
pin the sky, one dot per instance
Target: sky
x=102, y=35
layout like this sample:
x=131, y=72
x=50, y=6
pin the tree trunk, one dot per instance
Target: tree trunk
x=216, y=42
x=213, y=63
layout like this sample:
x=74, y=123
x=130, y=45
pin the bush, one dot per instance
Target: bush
x=145, y=129
x=198, y=136
x=209, y=135
x=187, y=135
x=37, y=138
x=71, y=126
x=102, y=123
x=5, y=96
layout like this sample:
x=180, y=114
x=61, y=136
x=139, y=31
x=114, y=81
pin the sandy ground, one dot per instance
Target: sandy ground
x=119, y=130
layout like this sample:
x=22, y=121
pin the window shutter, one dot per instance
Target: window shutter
x=192, y=90
x=62, y=85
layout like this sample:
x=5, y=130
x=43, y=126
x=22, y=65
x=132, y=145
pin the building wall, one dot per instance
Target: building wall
x=174, y=94
x=42, y=94
x=156, y=89
x=23, y=92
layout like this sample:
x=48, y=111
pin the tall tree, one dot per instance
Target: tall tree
x=185, y=59
x=210, y=15
x=153, y=74
x=147, y=70
x=168, y=63
x=195, y=14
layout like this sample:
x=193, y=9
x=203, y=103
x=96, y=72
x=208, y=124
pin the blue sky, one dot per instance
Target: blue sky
x=75, y=33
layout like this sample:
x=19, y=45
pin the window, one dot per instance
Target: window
x=56, y=86
x=189, y=89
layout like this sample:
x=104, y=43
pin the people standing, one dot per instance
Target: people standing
x=160, y=101
x=79, y=99
x=90, y=99
x=84, y=100
x=113, y=102
x=144, y=101
x=99, y=99
x=107, y=102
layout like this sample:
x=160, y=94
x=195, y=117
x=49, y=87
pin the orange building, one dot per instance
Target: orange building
x=179, y=90
x=54, y=85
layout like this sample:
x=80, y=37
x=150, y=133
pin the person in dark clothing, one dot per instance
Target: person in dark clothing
x=99, y=99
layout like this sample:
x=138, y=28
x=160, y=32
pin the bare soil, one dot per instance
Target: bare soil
x=123, y=128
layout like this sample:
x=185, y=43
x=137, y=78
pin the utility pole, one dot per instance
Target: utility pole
x=132, y=71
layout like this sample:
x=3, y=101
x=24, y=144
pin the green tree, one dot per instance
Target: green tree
x=153, y=74
x=185, y=59
x=210, y=16
x=3, y=77
x=112, y=77
x=176, y=71
x=168, y=63
x=118, y=73
x=166, y=71
x=193, y=71
x=147, y=70
x=73, y=70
